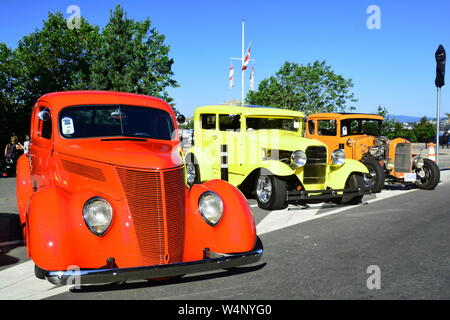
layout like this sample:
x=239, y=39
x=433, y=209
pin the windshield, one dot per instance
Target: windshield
x=115, y=120
x=287, y=124
x=360, y=126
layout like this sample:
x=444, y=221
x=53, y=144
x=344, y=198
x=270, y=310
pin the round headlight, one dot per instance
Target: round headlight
x=298, y=158
x=390, y=164
x=98, y=214
x=338, y=157
x=211, y=207
x=419, y=162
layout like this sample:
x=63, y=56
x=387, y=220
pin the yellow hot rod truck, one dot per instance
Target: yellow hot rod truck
x=262, y=151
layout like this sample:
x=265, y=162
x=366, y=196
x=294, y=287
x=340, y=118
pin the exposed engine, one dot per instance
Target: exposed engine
x=380, y=150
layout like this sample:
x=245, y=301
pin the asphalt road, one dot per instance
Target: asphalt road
x=322, y=252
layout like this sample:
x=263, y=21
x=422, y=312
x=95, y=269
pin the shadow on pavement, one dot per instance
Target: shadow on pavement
x=10, y=236
x=153, y=283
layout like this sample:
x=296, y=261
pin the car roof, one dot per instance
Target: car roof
x=249, y=110
x=59, y=100
x=344, y=115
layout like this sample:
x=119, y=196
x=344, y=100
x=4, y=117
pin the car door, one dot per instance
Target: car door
x=210, y=142
x=41, y=145
x=230, y=148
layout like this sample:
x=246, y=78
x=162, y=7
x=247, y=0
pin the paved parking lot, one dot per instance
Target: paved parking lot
x=322, y=252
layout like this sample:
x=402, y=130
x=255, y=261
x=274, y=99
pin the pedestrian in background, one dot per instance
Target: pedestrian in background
x=441, y=138
x=12, y=153
x=447, y=138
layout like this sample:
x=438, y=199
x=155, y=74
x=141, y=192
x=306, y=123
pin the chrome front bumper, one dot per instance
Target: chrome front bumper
x=212, y=261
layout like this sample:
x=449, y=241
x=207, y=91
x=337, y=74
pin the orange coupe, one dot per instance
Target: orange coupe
x=102, y=195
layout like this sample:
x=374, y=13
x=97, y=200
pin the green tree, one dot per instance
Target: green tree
x=312, y=88
x=389, y=125
x=126, y=56
x=132, y=57
x=424, y=130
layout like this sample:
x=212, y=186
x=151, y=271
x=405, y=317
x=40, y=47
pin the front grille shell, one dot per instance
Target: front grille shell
x=316, y=165
x=402, y=157
x=156, y=201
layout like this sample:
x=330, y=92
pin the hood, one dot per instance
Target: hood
x=363, y=140
x=281, y=140
x=144, y=154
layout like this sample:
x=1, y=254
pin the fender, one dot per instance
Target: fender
x=204, y=162
x=48, y=230
x=277, y=168
x=338, y=175
x=234, y=233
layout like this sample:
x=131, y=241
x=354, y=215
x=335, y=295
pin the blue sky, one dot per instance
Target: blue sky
x=393, y=66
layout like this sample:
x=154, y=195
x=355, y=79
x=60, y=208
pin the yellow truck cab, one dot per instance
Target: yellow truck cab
x=262, y=151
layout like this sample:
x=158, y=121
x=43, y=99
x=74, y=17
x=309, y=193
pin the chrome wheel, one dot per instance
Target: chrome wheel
x=264, y=189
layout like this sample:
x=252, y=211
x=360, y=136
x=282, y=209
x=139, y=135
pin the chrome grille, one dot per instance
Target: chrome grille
x=156, y=203
x=316, y=165
x=403, y=157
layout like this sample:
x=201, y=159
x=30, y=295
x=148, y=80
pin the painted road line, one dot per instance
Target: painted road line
x=291, y=216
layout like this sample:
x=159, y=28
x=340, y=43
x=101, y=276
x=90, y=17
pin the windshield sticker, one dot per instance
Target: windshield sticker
x=344, y=131
x=67, y=125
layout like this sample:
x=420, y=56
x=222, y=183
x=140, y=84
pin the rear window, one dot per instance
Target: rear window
x=90, y=121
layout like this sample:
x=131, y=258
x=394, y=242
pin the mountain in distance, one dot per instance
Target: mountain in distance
x=410, y=119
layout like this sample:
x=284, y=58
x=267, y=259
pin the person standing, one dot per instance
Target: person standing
x=12, y=153
x=447, y=137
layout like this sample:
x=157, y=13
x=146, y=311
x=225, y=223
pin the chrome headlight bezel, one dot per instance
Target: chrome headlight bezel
x=389, y=163
x=101, y=207
x=418, y=162
x=338, y=157
x=298, y=159
x=211, y=212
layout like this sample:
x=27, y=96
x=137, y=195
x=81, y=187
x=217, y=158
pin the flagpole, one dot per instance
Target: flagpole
x=242, y=67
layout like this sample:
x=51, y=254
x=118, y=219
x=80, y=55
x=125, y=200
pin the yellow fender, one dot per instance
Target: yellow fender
x=338, y=175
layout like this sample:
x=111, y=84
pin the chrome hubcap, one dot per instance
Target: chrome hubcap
x=264, y=189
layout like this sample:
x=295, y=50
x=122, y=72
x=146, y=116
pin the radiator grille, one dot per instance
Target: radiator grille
x=160, y=233
x=175, y=208
x=316, y=165
x=403, y=157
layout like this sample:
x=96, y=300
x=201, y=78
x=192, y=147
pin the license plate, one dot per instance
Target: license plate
x=410, y=177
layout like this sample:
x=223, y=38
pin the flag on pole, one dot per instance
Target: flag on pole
x=246, y=59
x=252, y=79
x=231, y=76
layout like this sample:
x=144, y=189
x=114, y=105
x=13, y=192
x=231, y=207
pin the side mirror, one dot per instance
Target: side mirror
x=181, y=119
x=44, y=115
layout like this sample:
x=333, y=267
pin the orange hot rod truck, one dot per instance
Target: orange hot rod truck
x=359, y=135
x=102, y=195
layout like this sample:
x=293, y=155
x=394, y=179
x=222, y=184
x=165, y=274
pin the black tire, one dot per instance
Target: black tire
x=354, y=181
x=275, y=199
x=192, y=164
x=377, y=173
x=39, y=273
x=432, y=175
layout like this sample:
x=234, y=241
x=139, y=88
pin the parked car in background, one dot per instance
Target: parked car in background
x=262, y=151
x=103, y=189
x=359, y=136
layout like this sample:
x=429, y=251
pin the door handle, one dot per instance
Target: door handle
x=215, y=137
